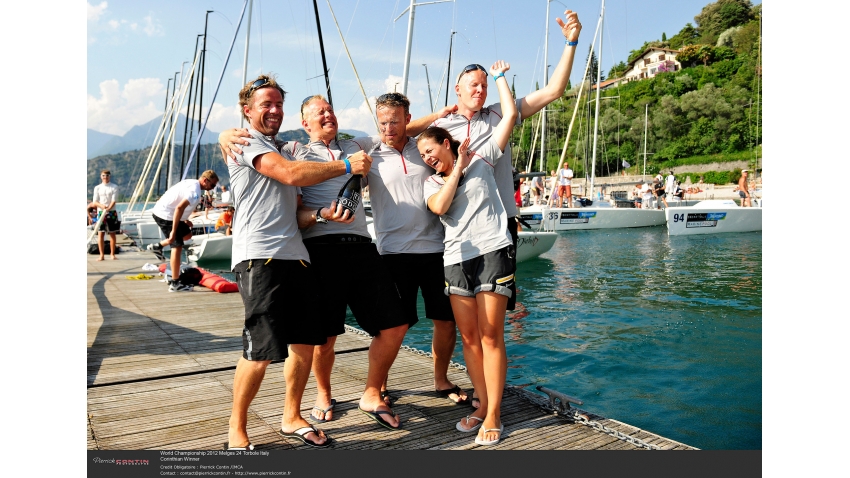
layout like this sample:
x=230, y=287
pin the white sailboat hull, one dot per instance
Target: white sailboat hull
x=712, y=217
x=214, y=246
x=571, y=219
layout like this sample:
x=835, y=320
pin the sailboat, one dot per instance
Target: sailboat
x=599, y=215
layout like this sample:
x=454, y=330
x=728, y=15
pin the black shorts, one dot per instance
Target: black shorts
x=492, y=272
x=279, y=298
x=412, y=272
x=351, y=273
x=742, y=194
x=110, y=223
x=512, y=229
x=166, y=226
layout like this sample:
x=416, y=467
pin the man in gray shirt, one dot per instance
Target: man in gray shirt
x=410, y=238
x=272, y=266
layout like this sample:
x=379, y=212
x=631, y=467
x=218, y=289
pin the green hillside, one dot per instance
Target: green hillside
x=709, y=111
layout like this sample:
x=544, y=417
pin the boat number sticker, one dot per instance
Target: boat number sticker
x=700, y=219
x=532, y=219
x=576, y=217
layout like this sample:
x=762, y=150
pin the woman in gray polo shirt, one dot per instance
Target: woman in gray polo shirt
x=478, y=253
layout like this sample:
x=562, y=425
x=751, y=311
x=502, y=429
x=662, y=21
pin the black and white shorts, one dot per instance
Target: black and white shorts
x=279, y=298
x=492, y=272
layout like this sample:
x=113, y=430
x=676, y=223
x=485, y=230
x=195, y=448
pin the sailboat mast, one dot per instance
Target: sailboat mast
x=598, y=84
x=245, y=61
x=428, y=83
x=449, y=68
x=645, y=124
x=322, y=48
x=545, y=81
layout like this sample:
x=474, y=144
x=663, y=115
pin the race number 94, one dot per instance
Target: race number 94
x=679, y=217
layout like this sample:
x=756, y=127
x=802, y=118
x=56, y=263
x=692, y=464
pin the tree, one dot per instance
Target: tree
x=722, y=15
x=663, y=36
x=617, y=70
x=686, y=36
x=591, y=72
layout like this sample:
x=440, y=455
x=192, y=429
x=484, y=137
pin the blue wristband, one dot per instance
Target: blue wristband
x=500, y=75
x=571, y=43
x=347, y=166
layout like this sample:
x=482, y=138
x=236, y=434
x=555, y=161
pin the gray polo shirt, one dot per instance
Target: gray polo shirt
x=476, y=223
x=322, y=194
x=264, y=224
x=403, y=222
x=480, y=129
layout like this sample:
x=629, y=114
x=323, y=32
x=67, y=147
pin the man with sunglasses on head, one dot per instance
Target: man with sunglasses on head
x=276, y=279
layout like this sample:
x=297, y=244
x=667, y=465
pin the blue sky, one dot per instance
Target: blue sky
x=133, y=48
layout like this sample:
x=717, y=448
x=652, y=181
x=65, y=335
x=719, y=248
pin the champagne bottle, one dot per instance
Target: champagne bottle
x=349, y=195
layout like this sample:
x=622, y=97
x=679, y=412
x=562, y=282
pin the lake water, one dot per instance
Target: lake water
x=663, y=333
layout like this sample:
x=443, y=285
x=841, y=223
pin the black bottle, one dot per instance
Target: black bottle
x=349, y=195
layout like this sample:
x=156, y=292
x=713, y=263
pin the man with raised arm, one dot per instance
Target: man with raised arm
x=475, y=121
x=273, y=269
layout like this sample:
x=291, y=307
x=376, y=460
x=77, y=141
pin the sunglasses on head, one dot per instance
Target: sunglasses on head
x=257, y=84
x=468, y=68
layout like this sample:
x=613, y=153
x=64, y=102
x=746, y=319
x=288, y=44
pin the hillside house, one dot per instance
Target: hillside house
x=653, y=61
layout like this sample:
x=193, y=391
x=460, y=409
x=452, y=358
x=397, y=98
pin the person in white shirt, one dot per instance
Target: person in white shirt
x=646, y=195
x=171, y=213
x=104, y=198
x=225, y=195
x=565, y=177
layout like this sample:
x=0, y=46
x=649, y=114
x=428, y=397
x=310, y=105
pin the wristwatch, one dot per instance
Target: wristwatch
x=319, y=218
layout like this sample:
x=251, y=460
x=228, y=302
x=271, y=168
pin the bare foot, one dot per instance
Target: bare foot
x=319, y=439
x=469, y=423
x=100, y=258
x=458, y=397
x=114, y=258
x=323, y=411
x=237, y=439
x=375, y=405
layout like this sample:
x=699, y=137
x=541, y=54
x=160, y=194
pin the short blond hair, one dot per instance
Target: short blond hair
x=210, y=174
x=309, y=99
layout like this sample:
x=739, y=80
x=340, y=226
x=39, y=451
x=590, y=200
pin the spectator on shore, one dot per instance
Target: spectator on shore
x=744, y=190
x=104, y=198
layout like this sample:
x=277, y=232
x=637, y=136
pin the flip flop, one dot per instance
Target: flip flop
x=386, y=394
x=326, y=410
x=467, y=430
x=455, y=390
x=473, y=400
x=376, y=415
x=501, y=430
x=248, y=447
x=299, y=435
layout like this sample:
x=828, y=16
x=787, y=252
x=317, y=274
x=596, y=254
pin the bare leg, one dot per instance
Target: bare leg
x=246, y=383
x=466, y=314
x=442, y=346
x=112, y=244
x=323, y=362
x=175, y=262
x=382, y=354
x=491, y=325
x=100, y=244
x=296, y=371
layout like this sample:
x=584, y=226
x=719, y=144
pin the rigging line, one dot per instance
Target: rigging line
x=368, y=104
x=215, y=93
x=339, y=55
x=299, y=37
x=260, y=21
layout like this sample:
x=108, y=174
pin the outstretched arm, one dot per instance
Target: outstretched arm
x=502, y=133
x=419, y=125
x=535, y=101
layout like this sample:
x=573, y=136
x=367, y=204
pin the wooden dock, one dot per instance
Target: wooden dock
x=160, y=370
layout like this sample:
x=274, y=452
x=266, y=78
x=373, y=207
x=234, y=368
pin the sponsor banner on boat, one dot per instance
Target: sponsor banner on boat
x=704, y=219
x=577, y=217
x=532, y=219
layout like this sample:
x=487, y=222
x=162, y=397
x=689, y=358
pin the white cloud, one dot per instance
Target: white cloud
x=118, y=109
x=93, y=13
x=153, y=27
x=223, y=117
x=359, y=118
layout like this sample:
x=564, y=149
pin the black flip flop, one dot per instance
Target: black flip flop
x=376, y=415
x=299, y=435
x=456, y=390
x=386, y=394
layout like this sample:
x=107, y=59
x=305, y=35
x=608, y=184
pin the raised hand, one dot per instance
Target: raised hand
x=501, y=66
x=360, y=163
x=445, y=110
x=572, y=27
x=463, y=157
